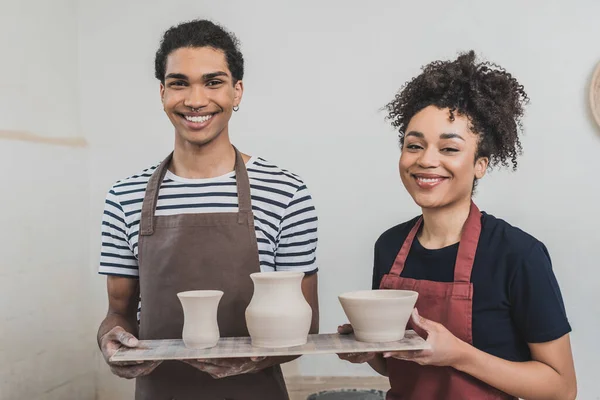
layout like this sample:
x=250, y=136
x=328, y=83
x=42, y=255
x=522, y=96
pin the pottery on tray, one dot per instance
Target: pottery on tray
x=378, y=315
x=200, y=326
x=278, y=314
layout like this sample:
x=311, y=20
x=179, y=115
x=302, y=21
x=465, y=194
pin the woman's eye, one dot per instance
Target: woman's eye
x=413, y=147
x=449, y=150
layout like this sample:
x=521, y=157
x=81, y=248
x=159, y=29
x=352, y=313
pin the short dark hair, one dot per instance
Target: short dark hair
x=485, y=93
x=200, y=33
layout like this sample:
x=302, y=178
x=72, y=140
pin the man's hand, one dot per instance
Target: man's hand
x=223, y=367
x=115, y=339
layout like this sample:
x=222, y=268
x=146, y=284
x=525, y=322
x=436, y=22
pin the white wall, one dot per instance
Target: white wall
x=46, y=336
x=317, y=74
x=39, y=77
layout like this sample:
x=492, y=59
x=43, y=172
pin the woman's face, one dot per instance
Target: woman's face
x=438, y=164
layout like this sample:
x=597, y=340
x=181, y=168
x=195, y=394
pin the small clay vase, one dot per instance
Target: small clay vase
x=200, y=327
x=278, y=315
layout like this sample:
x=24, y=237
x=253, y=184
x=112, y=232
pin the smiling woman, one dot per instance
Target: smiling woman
x=438, y=154
x=489, y=303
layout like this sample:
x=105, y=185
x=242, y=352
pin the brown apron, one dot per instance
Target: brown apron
x=216, y=251
x=451, y=304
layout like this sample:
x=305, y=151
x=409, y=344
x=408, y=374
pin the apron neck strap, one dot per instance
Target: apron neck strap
x=467, y=247
x=400, y=260
x=243, y=184
x=151, y=195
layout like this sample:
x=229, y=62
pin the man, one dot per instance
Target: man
x=205, y=218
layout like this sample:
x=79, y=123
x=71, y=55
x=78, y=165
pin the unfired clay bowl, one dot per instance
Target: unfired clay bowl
x=200, y=326
x=378, y=315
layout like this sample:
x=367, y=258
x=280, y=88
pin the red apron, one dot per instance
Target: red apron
x=451, y=304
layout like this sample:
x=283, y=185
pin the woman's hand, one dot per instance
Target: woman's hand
x=446, y=349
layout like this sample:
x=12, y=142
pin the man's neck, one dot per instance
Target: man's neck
x=200, y=162
x=443, y=226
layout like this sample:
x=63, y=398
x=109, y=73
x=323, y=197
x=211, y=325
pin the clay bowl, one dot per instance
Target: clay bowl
x=378, y=315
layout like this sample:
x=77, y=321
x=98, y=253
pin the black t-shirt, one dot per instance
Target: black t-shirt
x=516, y=298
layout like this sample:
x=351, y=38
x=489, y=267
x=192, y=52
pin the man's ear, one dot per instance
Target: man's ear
x=238, y=87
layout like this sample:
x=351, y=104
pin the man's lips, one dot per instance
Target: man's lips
x=197, y=121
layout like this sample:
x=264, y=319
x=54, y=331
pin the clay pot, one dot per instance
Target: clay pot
x=378, y=315
x=200, y=327
x=278, y=314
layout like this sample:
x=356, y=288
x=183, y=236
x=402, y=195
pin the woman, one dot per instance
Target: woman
x=489, y=303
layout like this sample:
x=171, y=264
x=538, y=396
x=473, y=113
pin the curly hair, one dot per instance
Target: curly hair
x=200, y=33
x=485, y=93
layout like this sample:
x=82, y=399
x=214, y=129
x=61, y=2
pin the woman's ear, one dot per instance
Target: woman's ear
x=481, y=165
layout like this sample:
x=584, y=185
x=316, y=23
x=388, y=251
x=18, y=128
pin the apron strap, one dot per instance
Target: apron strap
x=243, y=184
x=398, y=266
x=467, y=247
x=151, y=195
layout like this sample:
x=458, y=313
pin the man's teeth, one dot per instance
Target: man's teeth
x=203, y=118
x=429, y=180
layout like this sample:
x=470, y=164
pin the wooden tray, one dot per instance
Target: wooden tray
x=233, y=347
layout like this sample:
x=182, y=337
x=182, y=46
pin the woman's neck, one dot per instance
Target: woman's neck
x=442, y=227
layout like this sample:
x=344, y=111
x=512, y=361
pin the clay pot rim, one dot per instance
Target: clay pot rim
x=200, y=293
x=388, y=295
x=276, y=275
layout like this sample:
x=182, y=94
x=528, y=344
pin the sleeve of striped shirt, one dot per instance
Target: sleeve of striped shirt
x=116, y=257
x=297, y=246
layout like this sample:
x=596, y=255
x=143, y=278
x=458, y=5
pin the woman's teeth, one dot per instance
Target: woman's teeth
x=429, y=180
x=200, y=119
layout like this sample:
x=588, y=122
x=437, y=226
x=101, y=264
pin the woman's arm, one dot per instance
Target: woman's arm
x=550, y=375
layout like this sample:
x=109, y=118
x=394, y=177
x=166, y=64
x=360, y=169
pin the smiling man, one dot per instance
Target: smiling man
x=205, y=218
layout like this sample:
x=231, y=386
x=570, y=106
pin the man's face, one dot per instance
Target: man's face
x=198, y=94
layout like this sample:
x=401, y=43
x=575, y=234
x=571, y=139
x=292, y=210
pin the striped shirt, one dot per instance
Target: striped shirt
x=284, y=215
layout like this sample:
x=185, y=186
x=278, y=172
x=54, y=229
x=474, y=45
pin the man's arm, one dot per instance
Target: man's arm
x=123, y=295
x=310, y=291
x=119, y=328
